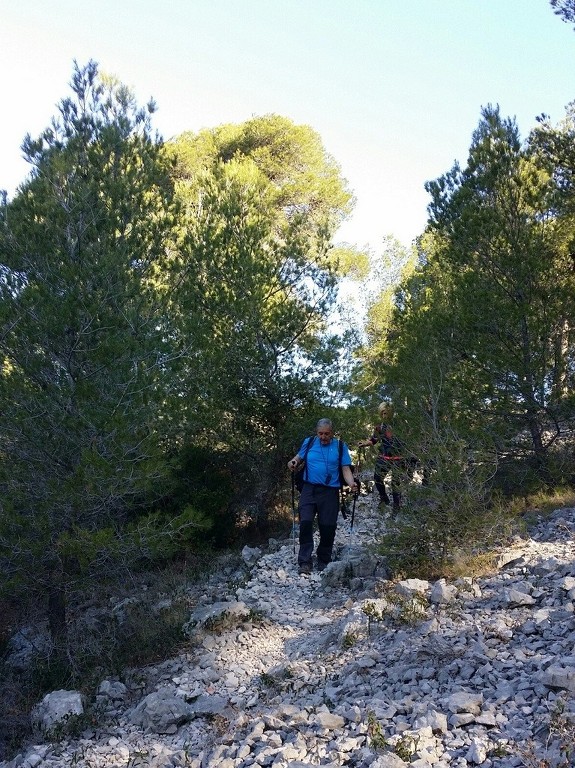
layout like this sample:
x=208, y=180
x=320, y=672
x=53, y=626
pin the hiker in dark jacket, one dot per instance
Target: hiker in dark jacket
x=320, y=492
x=391, y=459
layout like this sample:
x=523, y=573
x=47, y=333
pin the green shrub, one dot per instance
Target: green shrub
x=206, y=480
x=452, y=513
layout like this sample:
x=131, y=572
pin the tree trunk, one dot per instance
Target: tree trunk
x=57, y=613
x=539, y=451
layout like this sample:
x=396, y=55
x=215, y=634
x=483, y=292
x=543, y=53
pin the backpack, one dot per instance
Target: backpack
x=301, y=473
x=389, y=444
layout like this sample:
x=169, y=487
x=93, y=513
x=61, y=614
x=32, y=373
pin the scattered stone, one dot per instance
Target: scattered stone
x=161, y=712
x=291, y=673
x=251, y=555
x=442, y=593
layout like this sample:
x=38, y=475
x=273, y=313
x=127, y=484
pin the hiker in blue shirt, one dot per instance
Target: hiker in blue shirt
x=320, y=492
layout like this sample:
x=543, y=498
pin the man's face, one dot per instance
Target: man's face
x=325, y=434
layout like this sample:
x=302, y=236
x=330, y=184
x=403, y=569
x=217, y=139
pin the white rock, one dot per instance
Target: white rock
x=56, y=710
x=516, y=598
x=559, y=677
x=442, y=593
x=464, y=701
x=477, y=752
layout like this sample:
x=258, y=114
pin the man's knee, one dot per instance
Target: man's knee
x=306, y=530
x=327, y=534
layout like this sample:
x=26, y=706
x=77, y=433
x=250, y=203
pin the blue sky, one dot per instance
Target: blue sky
x=393, y=87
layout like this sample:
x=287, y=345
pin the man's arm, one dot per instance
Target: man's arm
x=348, y=477
x=294, y=463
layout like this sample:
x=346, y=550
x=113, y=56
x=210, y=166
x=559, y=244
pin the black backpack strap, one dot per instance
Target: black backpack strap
x=340, y=458
x=304, y=457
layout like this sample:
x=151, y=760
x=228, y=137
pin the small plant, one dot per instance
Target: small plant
x=277, y=678
x=268, y=681
x=499, y=751
x=562, y=731
x=79, y=756
x=558, y=750
x=137, y=757
x=349, y=639
x=220, y=723
x=347, y=574
x=396, y=608
x=70, y=726
x=374, y=732
x=329, y=703
x=256, y=616
x=238, y=582
x=405, y=748
x=217, y=623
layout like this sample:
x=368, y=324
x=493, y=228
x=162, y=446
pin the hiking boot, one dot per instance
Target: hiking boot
x=304, y=569
x=321, y=566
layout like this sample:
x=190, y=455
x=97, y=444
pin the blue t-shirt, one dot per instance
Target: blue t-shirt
x=323, y=462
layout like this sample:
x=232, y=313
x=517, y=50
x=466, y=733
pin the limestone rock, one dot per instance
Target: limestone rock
x=57, y=712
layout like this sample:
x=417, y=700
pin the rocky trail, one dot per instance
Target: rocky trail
x=346, y=668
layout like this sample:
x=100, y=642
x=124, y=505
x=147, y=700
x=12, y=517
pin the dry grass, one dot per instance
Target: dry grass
x=524, y=510
x=512, y=516
x=545, y=503
x=470, y=565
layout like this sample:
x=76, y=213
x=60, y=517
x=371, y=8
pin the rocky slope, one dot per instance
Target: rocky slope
x=347, y=668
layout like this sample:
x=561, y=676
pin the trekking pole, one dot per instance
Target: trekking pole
x=343, y=504
x=360, y=451
x=356, y=492
x=352, y=513
x=293, y=509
